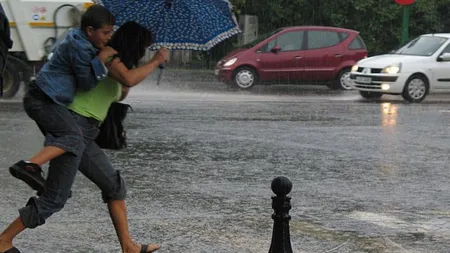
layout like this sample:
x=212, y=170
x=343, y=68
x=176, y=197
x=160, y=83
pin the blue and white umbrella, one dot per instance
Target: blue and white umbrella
x=179, y=24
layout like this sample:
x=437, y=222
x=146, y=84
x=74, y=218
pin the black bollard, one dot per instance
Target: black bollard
x=281, y=239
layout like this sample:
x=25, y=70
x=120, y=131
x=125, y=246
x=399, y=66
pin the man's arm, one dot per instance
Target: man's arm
x=87, y=66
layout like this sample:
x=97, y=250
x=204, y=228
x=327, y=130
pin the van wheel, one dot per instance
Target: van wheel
x=370, y=94
x=245, y=78
x=11, y=81
x=416, y=89
x=342, y=81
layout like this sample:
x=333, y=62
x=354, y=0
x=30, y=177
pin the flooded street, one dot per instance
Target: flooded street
x=368, y=176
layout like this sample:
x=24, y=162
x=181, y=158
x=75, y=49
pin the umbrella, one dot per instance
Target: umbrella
x=178, y=24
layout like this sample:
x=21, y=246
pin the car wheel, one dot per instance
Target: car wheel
x=370, y=94
x=416, y=89
x=342, y=81
x=11, y=81
x=245, y=78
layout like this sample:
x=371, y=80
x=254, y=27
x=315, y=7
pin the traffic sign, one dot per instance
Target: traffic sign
x=405, y=2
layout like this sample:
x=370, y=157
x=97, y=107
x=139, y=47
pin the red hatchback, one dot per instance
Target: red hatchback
x=300, y=54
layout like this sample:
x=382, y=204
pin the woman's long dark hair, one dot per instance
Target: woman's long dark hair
x=130, y=41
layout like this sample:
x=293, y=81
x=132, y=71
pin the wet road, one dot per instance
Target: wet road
x=367, y=176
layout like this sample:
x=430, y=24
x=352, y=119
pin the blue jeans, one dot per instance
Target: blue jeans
x=54, y=120
x=92, y=162
x=96, y=166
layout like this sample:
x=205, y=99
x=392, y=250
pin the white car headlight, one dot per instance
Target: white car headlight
x=355, y=68
x=392, y=69
x=230, y=62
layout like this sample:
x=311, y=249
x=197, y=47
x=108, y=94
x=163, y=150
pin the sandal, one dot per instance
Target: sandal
x=12, y=250
x=144, y=248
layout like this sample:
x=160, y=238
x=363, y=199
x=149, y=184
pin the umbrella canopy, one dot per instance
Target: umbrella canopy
x=179, y=24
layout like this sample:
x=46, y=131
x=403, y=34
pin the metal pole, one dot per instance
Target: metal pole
x=405, y=26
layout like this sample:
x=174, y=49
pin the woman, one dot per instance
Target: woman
x=89, y=110
x=130, y=41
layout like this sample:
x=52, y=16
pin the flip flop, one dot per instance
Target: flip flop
x=12, y=250
x=143, y=248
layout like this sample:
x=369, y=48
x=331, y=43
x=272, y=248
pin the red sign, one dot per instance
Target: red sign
x=405, y=2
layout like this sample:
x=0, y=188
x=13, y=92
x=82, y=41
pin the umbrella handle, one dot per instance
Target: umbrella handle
x=161, y=66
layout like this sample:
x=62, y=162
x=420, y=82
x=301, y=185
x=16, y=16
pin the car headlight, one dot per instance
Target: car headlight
x=355, y=68
x=392, y=69
x=230, y=62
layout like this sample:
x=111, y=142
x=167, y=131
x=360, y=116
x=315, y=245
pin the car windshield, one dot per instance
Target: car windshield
x=422, y=46
x=260, y=38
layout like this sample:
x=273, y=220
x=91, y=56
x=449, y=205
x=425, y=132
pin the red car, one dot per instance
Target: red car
x=300, y=54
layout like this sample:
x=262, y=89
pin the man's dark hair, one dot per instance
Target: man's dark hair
x=97, y=16
x=130, y=41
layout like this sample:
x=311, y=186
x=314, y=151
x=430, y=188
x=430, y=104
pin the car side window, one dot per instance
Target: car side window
x=270, y=45
x=343, y=36
x=357, y=44
x=290, y=41
x=322, y=39
x=446, y=49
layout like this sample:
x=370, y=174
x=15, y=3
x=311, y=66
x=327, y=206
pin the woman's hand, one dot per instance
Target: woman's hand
x=161, y=56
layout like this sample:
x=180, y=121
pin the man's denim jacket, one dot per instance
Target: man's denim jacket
x=73, y=66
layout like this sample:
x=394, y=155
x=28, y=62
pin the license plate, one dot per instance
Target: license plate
x=216, y=72
x=363, y=79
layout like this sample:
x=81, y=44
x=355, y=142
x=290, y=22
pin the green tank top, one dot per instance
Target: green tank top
x=96, y=102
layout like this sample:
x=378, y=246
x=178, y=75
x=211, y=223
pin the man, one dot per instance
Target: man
x=76, y=64
x=5, y=44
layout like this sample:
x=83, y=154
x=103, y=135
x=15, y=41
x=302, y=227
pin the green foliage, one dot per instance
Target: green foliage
x=378, y=21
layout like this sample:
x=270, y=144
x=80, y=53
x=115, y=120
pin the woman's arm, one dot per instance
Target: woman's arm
x=131, y=77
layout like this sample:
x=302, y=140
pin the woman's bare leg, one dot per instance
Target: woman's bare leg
x=7, y=236
x=46, y=154
x=118, y=212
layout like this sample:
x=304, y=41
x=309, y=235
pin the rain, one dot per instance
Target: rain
x=369, y=174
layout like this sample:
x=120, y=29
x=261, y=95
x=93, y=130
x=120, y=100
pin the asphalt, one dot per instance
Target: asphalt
x=368, y=176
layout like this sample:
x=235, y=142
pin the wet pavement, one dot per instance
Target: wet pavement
x=368, y=176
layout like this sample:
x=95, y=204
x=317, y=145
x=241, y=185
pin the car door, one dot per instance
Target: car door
x=440, y=72
x=283, y=64
x=323, y=55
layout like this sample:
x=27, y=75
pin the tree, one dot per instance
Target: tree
x=378, y=21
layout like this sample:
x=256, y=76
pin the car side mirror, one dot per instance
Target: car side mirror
x=444, y=57
x=276, y=49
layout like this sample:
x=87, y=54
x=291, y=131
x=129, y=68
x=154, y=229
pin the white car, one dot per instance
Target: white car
x=416, y=69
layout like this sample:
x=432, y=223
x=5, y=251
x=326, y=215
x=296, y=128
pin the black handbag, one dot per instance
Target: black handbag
x=112, y=134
